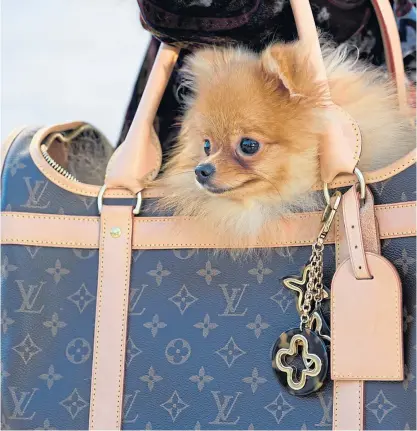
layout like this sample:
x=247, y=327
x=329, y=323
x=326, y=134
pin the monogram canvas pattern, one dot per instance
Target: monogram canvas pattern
x=200, y=329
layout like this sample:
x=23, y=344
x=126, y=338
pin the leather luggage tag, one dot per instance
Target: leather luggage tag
x=366, y=307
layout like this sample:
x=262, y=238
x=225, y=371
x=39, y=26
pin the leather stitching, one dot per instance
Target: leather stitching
x=337, y=239
x=360, y=404
x=336, y=405
x=358, y=146
x=395, y=206
x=124, y=323
x=97, y=326
x=35, y=216
x=22, y=241
x=397, y=339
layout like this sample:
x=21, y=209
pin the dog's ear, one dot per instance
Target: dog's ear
x=286, y=65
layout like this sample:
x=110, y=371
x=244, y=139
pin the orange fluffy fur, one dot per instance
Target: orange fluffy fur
x=272, y=98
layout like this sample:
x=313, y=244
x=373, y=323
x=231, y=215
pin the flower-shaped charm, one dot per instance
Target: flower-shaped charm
x=300, y=361
x=311, y=362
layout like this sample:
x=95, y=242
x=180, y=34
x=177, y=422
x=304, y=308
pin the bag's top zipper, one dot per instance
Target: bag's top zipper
x=56, y=166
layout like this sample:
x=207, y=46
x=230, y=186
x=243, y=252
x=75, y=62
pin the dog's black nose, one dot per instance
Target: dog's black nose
x=204, y=172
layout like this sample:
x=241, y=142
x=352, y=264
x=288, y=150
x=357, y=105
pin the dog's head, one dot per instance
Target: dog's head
x=250, y=128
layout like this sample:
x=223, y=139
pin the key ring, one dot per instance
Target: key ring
x=362, y=187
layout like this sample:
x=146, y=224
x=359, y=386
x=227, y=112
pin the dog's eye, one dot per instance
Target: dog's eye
x=249, y=146
x=207, y=147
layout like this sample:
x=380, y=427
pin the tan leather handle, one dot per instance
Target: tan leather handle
x=138, y=159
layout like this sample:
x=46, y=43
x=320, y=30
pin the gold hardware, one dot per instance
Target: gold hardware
x=115, y=232
x=296, y=285
x=311, y=361
x=328, y=216
x=315, y=290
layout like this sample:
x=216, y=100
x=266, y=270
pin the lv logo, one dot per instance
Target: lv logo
x=36, y=192
x=135, y=295
x=29, y=297
x=128, y=401
x=225, y=408
x=233, y=299
x=21, y=401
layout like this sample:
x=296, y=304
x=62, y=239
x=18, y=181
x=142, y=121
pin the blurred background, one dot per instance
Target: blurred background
x=66, y=60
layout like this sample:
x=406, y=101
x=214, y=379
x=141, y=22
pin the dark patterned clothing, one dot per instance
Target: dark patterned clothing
x=255, y=23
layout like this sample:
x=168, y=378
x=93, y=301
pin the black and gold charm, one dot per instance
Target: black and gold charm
x=300, y=356
x=300, y=361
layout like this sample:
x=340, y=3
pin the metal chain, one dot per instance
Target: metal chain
x=315, y=292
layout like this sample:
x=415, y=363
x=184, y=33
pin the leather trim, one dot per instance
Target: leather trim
x=392, y=226
x=7, y=143
x=106, y=401
x=180, y=232
x=65, y=183
x=50, y=230
x=348, y=398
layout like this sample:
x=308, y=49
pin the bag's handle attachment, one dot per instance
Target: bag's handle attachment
x=138, y=160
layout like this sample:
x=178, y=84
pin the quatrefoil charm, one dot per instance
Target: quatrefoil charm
x=308, y=374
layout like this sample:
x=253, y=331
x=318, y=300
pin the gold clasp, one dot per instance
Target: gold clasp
x=328, y=215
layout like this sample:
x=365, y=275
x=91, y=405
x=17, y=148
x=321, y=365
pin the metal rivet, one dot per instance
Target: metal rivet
x=115, y=232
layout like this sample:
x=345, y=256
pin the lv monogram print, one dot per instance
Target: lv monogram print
x=198, y=351
x=200, y=328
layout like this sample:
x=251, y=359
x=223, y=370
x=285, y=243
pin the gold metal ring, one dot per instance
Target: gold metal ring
x=362, y=187
x=100, y=196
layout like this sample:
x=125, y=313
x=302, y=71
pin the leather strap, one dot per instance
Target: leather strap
x=353, y=231
x=111, y=318
x=348, y=396
x=138, y=159
x=307, y=32
x=392, y=47
x=77, y=232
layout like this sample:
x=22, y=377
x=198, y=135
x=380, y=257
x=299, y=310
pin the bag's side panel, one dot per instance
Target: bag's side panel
x=201, y=332
x=48, y=312
x=391, y=405
x=26, y=189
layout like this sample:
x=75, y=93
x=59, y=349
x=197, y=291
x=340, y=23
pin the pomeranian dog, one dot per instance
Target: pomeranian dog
x=248, y=147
